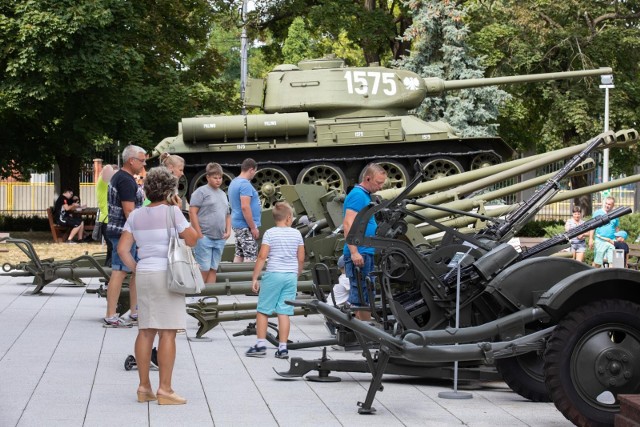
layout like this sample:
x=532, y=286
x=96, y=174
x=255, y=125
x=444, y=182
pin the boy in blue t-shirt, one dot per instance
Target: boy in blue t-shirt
x=283, y=245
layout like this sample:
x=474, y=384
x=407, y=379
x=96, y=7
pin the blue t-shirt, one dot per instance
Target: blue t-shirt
x=607, y=230
x=356, y=200
x=242, y=187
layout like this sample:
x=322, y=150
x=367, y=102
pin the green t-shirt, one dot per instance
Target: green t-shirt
x=101, y=197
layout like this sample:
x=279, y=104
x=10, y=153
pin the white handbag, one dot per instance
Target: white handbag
x=183, y=272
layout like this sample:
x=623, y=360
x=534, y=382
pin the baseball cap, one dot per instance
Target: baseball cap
x=341, y=262
x=622, y=234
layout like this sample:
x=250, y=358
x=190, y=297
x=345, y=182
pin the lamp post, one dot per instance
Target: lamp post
x=606, y=83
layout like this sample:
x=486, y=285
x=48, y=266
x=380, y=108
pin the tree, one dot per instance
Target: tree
x=540, y=36
x=439, y=49
x=78, y=75
x=373, y=25
x=299, y=43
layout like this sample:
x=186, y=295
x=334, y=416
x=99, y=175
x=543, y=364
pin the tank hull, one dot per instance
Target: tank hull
x=333, y=152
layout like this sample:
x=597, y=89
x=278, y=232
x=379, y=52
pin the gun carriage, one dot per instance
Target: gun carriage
x=556, y=329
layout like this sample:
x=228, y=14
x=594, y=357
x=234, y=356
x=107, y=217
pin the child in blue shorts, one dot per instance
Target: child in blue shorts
x=283, y=246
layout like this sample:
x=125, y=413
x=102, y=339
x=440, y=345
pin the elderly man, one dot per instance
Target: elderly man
x=604, y=235
x=123, y=196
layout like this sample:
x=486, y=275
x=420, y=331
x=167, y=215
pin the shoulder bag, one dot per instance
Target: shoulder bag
x=96, y=234
x=183, y=272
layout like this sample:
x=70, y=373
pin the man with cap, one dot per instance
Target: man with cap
x=620, y=243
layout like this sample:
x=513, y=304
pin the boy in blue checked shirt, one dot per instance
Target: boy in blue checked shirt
x=283, y=246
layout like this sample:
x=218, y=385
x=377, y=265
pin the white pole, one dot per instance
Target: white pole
x=243, y=57
x=606, y=83
x=605, y=153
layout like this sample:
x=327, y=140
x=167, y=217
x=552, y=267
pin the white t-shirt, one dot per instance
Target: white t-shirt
x=149, y=228
x=341, y=290
x=283, y=249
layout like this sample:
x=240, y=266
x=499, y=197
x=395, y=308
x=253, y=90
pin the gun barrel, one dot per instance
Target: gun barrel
x=436, y=86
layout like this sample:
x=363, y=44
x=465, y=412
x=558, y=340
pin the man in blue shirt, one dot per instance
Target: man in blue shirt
x=245, y=212
x=604, y=235
x=373, y=179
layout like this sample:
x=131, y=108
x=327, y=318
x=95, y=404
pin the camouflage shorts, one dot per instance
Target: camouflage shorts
x=246, y=246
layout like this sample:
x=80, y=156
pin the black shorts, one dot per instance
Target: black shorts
x=70, y=221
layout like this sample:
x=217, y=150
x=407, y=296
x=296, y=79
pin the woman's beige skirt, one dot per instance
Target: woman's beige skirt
x=158, y=308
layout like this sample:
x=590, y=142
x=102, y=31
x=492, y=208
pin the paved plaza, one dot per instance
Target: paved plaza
x=59, y=366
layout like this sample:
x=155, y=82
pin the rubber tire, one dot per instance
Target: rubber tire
x=129, y=363
x=523, y=378
x=558, y=356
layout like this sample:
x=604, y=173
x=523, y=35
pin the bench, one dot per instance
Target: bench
x=59, y=233
x=634, y=256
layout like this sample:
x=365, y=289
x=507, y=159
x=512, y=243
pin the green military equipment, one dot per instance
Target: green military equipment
x=45, y=271
x=323, y=122
x=514, y=305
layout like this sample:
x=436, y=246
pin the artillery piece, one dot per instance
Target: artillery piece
x=514, y=307
x=323, y=122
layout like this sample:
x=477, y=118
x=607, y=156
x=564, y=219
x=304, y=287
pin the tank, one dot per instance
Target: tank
x=323, y=122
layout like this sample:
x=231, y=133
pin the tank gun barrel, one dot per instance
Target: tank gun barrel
x=436, y=86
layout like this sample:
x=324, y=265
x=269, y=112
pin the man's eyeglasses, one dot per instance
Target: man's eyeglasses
x=144, y=161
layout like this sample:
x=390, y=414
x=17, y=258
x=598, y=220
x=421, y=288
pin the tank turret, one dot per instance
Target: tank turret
x=323, y=122
x=328, y=89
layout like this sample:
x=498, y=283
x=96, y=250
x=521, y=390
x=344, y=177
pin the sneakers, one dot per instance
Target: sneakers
x=256, y=351
x=71, y=242
x=116, y=322
x=282, y=354
x=133, y=318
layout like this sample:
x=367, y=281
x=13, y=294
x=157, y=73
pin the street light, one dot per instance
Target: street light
x=606, y=83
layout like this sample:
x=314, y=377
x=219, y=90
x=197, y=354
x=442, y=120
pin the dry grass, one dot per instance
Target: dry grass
x=45, y=248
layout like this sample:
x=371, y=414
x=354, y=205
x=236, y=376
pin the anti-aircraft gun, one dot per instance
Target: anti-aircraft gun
x=515, y=307
x=323, y=122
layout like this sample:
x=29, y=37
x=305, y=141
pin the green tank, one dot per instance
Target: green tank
x=323, y=122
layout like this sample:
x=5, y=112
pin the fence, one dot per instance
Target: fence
x=34, y=197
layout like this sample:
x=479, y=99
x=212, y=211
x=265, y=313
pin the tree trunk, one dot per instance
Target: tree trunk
x=585, y=201
x=69, y=167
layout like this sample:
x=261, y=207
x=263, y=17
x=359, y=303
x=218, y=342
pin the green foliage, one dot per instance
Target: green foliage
x=539, y=36
x=631, y=224
x=439, y=49
x=299, y=43
x=74, y=74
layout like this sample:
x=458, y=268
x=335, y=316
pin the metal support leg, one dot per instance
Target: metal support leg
x=376, y=384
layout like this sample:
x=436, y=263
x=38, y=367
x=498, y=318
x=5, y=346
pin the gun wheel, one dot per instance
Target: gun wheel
x=267, y=182
x=327, y=175
x=395, y=265
x=591, y=358
x=524, y=374
x=442, y=167
x=484, y=160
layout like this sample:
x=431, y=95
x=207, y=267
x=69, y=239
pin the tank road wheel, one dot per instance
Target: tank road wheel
x=397, y=175
x=327, y=175
x=200, y=179
x=439, y=168
x=484, y=160
x=267, y=182
x=524, y=374
x=591, y=357
x=183, y=185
